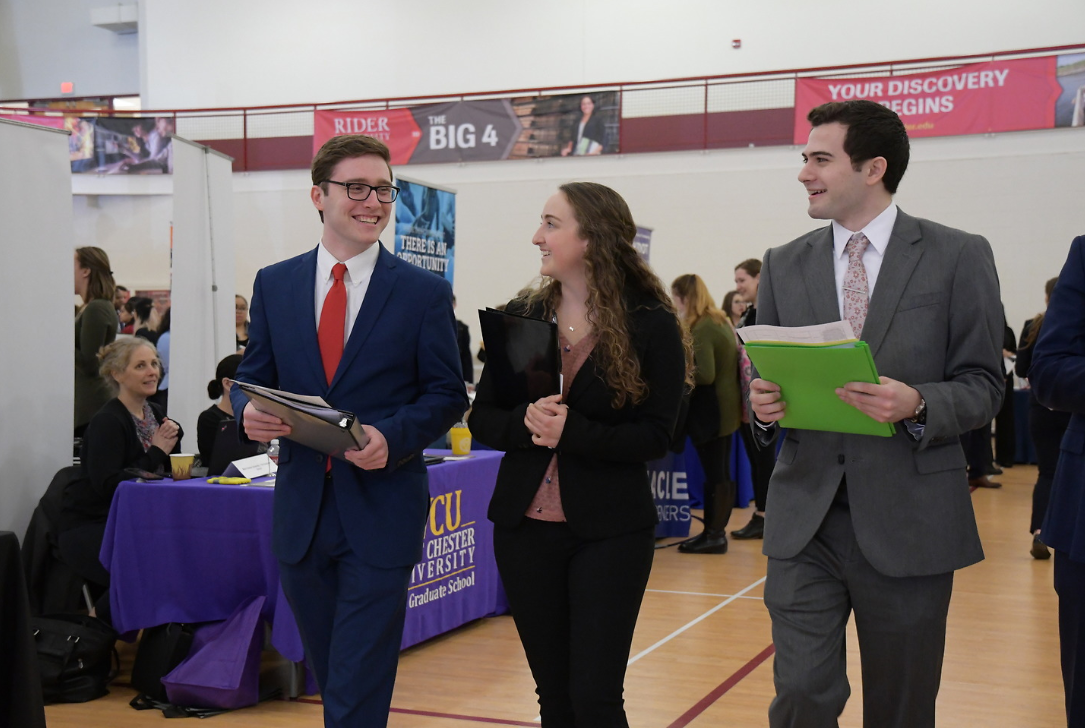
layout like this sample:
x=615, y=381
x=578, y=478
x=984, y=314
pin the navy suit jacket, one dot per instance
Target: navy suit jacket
x=1057, y=377
x=400, y=373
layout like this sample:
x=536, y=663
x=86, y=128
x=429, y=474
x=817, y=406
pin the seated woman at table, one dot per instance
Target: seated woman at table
x=574, y=517
x=127, y=432
x=207, y=426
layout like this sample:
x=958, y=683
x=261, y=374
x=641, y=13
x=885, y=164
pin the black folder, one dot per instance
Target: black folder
x=325, y=429
x=522, y=356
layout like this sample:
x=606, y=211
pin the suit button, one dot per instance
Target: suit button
x=840, y=459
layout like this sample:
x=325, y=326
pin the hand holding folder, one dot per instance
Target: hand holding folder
x=809, y=364
x=313, y=422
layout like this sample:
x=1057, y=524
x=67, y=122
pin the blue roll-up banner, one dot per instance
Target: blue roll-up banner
x=426, y=227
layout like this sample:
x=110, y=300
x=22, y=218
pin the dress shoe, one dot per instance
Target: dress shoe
x=1039, y=549
x=707, y=542
x=994, y=469
x=754, y=529
x=983, y=482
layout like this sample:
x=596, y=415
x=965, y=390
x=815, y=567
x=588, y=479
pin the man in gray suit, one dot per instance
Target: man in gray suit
x=863, y=524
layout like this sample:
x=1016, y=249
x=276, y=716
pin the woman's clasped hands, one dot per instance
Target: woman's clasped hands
x=545, y=419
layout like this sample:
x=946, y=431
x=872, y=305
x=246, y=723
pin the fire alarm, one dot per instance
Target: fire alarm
x=67, y=87
x=736, y=43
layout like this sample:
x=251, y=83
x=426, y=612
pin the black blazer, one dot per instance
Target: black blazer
x=602, y=452
x=110, y=445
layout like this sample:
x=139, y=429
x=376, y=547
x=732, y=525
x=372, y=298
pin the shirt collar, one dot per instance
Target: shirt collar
x=359, y=268
x=878, y=231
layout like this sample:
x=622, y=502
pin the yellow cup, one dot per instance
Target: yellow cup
x=461, y=440
x=181, y=463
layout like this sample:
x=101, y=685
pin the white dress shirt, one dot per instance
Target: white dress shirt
x=359, y=272
x=878, y=231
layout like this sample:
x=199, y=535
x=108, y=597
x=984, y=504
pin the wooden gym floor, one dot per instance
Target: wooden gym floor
x=702, y=654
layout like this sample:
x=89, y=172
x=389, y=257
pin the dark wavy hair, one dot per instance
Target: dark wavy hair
x=227, y=369
x=614, y=269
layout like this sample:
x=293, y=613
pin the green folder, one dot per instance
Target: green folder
x=809, y=375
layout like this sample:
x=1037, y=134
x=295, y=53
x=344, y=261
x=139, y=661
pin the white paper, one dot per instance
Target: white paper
x=833, y=332
x=256, y=466
x=305, y=398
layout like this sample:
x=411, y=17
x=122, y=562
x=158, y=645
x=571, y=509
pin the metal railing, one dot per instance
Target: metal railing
x=236, y=130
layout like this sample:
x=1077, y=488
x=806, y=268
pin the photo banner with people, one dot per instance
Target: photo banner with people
x=481, y=131
x=426, y=227
x=108, y=145
x=979, y=98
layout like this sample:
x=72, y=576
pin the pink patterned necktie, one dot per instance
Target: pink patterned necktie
x=856, y=290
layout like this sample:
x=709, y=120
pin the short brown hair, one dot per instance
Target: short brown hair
x=873, y=130
x=100, y=284
x=345, y=146
x=751, y=266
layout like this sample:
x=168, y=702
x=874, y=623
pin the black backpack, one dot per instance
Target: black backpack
x=76, y=656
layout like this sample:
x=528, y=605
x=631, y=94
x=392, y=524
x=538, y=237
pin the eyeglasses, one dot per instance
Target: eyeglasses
x=359, y=191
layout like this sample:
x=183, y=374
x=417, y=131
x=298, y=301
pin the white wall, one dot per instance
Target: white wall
x=709, y=210
x=207, y=53
x=44, y=43
x=37, y=381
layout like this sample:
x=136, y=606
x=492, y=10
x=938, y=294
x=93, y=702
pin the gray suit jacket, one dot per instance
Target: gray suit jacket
x=935, y=323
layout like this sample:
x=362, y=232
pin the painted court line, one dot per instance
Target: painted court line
x=696, y=594
x=432, y=714
x=722, y=689
x=703, y=617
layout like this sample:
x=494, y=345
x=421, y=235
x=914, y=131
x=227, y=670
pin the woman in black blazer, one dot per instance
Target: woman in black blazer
x=573, y=510
x=127, y=432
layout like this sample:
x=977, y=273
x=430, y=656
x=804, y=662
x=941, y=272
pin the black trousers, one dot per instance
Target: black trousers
x=1070, y=586
x=575, y=603
x=1006, y=428
x=714, y=455
x=79, y=548
x=1046, y=427
x=762, y=463
x=977, y=450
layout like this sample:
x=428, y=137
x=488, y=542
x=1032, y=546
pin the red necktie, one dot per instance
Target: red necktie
x=333, y=322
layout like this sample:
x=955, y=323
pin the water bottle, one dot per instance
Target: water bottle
x=273, y=453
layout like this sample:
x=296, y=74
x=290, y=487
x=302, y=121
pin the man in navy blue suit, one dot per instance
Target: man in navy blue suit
x=374, y=335
x=1057, y=377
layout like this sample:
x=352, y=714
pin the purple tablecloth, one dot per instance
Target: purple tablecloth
x=192, y=552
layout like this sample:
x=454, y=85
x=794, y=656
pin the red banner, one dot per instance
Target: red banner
x=974, y=99
x=394, y=127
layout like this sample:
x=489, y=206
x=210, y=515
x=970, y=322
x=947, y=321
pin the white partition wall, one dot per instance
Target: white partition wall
x=37, y=376
x=202, y=298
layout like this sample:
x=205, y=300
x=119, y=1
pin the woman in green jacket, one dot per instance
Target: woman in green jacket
x=714, y=408
x=95, y=327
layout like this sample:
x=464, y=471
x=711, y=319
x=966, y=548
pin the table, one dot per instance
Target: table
x=20, y=684
x=190, y=551
x=1024, y=450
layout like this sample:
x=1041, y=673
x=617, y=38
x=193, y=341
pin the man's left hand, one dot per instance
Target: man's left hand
x=374, y=455
x=890, y=401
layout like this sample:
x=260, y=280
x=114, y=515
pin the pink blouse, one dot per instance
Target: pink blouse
x=546, y=506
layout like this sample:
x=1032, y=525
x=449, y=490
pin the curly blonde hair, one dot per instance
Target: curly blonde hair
x=614, y=269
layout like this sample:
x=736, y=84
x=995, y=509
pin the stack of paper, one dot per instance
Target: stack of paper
x=810, y=363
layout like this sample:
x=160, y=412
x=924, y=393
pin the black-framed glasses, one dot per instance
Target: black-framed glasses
x=360, y=191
